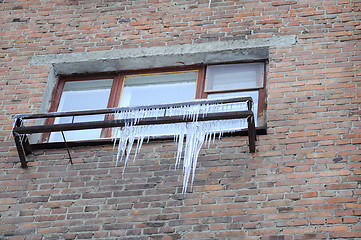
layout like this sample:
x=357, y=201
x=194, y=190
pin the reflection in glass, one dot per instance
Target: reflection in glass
x=82, y=95
x=234, y=76
x=158, y=89
x=155, y=89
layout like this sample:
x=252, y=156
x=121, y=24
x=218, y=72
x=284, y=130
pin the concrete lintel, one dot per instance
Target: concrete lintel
x=152, y=57
x=158, y=61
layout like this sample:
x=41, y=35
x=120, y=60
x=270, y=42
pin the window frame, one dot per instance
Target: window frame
x=59, y=87
x=119, y=80
x=262, y=101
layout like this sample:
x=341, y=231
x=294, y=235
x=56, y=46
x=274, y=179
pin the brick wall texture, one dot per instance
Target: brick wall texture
x=302, y=183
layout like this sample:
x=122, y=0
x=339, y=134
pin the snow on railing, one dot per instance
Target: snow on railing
x=196, y=122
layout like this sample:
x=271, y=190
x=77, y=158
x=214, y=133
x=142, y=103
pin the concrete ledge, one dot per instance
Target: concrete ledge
x=154, y=57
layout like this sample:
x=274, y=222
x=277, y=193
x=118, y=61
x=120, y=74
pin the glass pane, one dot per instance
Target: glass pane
x=82, y=95
x=253, y=94
x=154, y=89
x=234, y=76
x=158, y=89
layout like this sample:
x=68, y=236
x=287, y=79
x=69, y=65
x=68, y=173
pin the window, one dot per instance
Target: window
x=236, y=80
x=157, y=86
x=82, y=95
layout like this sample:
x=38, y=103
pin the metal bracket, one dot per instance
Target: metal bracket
x=67, y=148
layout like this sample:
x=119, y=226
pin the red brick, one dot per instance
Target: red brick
x=294, y=183
x=342, y=200
x=299, y=230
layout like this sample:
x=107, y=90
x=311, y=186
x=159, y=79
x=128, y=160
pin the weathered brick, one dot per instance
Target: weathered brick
x=302, y=182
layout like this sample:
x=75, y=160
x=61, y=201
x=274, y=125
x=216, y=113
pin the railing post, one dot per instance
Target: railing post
x=251, y=129
x=251, y=134
x=19, y=144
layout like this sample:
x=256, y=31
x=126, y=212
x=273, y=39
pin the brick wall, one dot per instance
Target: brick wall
x=302, y=183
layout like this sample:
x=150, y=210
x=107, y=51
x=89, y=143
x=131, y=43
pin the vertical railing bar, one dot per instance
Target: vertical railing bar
x=19, y=144
x=21, y=150
x=251, y=134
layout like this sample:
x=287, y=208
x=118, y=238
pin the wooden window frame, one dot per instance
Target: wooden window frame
x=118, y=83
x=59, y=87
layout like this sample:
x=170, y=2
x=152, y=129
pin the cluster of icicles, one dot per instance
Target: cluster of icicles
x=195, y=133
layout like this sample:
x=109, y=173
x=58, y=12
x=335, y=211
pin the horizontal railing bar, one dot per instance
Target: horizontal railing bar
x=119, y=109
x=123, y=122
x=104, y=141
x=234, y=90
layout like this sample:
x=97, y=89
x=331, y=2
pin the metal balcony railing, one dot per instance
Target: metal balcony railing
x=21, y=132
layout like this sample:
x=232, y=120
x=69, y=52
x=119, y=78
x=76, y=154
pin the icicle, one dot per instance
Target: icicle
x=180, y=149
x=115, y=134
x=129, y=149
x=206, y=138
x=139, y=146
x=194, y=133
x=198, y=145
x=121, y=149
